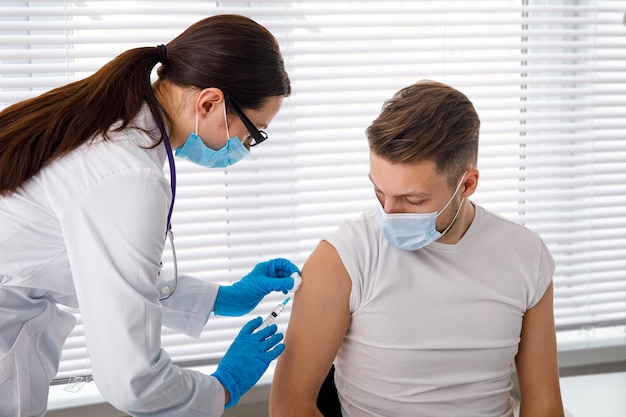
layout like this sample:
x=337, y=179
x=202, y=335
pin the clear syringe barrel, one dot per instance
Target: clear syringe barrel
x=270, y=317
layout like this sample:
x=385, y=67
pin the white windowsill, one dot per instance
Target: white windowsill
x=592, y=347
x=576, y=348
x=60, y=399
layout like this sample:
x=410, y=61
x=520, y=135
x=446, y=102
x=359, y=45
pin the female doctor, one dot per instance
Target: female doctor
x=85, y=209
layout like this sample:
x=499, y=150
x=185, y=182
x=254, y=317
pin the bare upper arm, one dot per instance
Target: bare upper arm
x=320, y=317
x=537, y=361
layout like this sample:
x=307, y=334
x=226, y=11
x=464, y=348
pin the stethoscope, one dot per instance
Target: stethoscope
x=167, y=291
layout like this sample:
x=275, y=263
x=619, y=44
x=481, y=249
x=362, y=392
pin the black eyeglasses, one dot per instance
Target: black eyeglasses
x=256, y=136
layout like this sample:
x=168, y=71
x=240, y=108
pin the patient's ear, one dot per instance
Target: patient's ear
x=470, y=182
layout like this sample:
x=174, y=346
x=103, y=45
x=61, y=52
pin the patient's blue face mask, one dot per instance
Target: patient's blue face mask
x=196, y=151
x=413, y=231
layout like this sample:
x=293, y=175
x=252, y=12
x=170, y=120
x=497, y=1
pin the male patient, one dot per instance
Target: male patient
x=424, y=304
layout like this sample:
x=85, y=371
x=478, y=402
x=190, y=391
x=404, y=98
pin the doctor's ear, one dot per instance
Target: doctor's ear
x=209, y=99
x=470, y=182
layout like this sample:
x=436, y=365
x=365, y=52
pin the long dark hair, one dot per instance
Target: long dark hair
x=229, y=52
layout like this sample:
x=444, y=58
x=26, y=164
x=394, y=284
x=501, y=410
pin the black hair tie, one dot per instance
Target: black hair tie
x=162, y=54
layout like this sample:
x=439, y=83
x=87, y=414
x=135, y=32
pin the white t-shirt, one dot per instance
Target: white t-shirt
x=434, y=332
x=88, y=231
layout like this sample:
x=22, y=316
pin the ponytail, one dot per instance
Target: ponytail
x=36, y=131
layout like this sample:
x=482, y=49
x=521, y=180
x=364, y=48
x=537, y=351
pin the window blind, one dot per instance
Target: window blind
x=548, y=79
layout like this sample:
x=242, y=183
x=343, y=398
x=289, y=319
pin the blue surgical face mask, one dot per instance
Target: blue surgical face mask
x=196, y=151
x=413, y=231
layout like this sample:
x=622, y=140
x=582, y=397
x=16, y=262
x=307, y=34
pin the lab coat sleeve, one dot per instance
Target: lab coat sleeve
x=190, y=305
x=114, y=234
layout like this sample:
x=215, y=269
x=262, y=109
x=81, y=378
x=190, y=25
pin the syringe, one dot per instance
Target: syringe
x=270, y=317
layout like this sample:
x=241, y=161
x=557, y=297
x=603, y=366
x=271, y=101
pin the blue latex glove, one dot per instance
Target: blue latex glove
x=241, y=297
x=247, y=359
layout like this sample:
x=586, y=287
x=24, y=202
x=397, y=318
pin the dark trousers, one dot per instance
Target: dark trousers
x=327, y=399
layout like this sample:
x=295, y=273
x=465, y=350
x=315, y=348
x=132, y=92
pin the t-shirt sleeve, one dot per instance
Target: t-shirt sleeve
x=349, y=240
x=545, y=273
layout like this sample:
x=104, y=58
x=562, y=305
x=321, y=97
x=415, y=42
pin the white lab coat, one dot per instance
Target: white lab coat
x=88, y=231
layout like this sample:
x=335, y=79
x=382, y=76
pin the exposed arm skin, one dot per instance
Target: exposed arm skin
x=537, y=362
x=319, y=320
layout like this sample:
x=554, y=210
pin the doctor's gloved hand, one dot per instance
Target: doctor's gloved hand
x=247, y=359
x=241, y=297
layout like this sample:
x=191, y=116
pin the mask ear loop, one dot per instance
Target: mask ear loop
x=451, y=198
x=454, y=219
x=458, y=210
x=226, y=123
x=197, y=123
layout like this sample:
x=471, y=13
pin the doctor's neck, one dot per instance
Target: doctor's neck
x=173, y=98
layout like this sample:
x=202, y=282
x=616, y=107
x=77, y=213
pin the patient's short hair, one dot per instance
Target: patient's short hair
x=428, y=121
